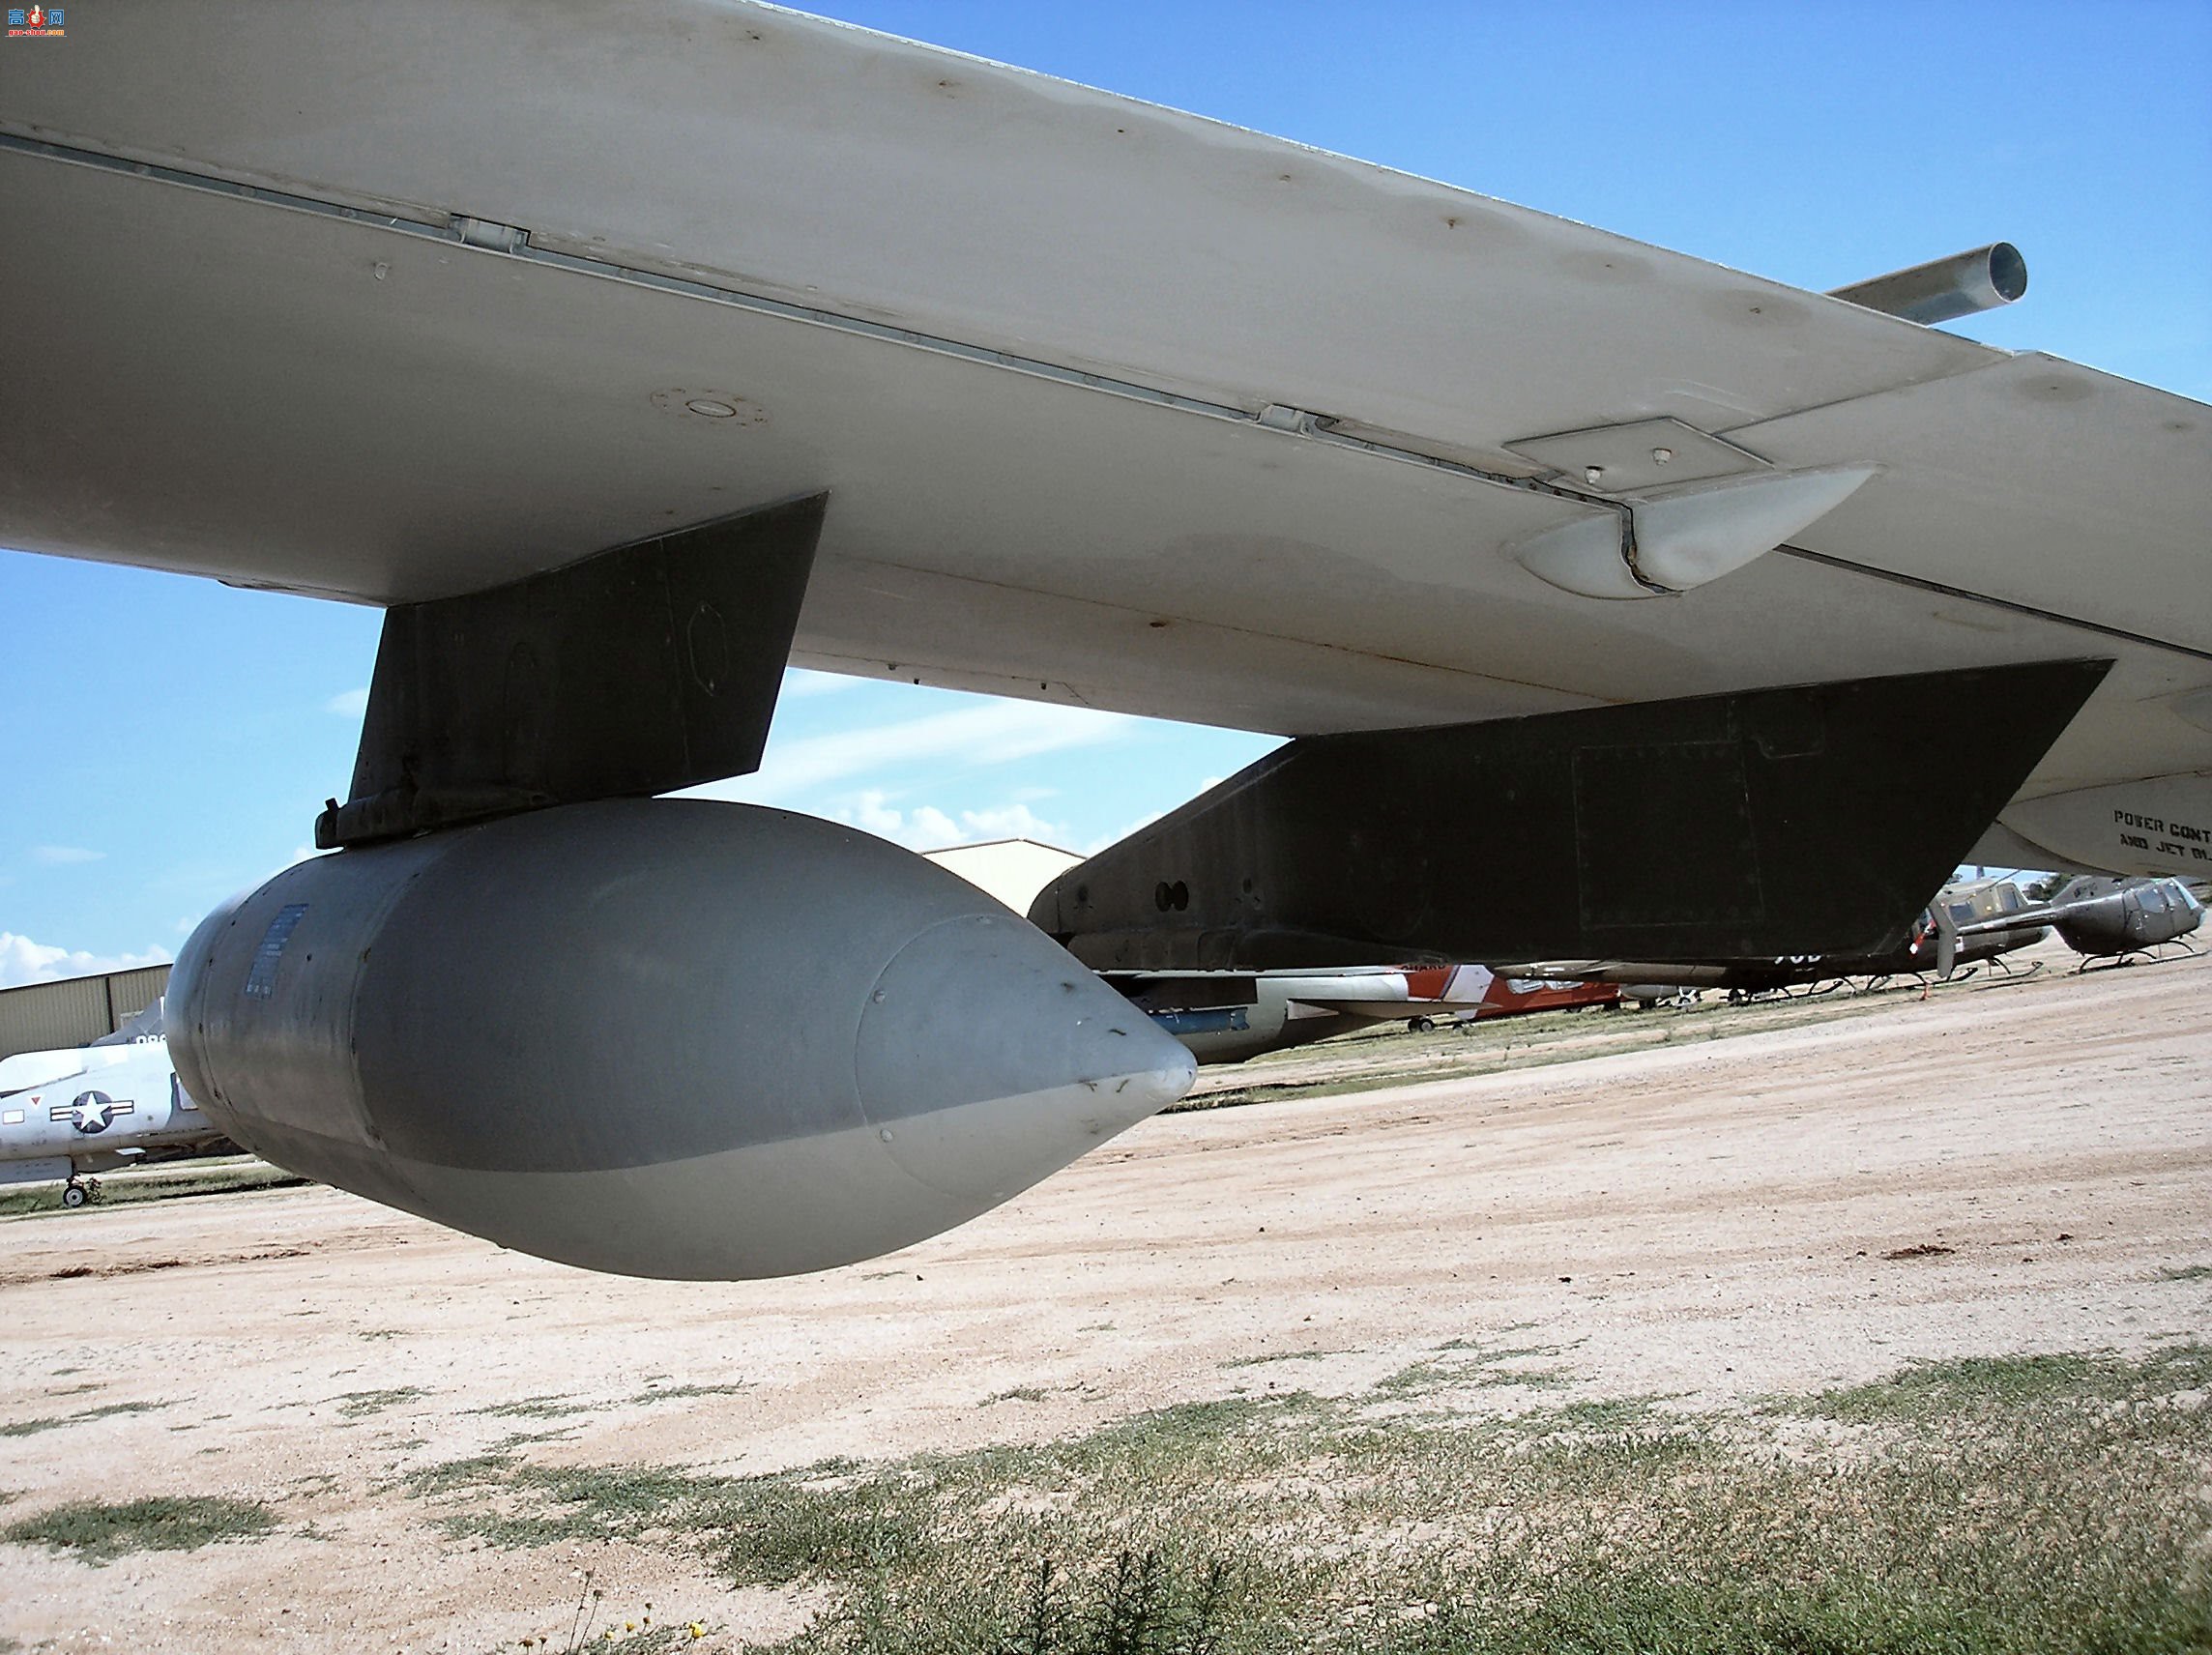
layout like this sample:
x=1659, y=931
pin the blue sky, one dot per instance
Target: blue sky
x=164, y=742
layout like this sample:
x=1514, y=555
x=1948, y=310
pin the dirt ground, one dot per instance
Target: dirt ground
x=1836, y=1190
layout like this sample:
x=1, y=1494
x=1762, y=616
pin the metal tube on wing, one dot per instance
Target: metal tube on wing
x=1944, y=289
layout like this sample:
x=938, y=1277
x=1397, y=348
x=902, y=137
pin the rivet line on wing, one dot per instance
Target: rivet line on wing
x=494, y=239
x=1920, y=583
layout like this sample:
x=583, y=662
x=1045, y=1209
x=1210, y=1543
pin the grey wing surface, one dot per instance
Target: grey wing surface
x=1115, y=405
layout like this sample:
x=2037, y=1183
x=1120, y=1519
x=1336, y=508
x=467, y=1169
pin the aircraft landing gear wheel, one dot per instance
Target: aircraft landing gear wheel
x=1421, y=1024
x=74, y=1194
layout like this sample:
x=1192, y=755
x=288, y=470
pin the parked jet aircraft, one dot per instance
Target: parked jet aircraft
x=1225, y=1017
x=1964, y=924
x=1547, y=548
x=2098, y=918
x=1476, y=993
x=94, y=1109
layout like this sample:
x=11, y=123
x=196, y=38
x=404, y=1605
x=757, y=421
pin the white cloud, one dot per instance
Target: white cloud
x=64, y=856
x=871, y=813
x=932, y=829
x=349, y=704
x=23, y=961
x=925, y=827
x=996, y=733
x=1015, y=821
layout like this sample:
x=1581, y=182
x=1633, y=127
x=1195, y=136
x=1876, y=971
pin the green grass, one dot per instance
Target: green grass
x=360, y=1405
x=675, y=1393
x=1607, y=1416
x=1462, y=1362
x=2025, y=1505
x=515, y=1440
x=2186, y=1273
x=534, y=1408
x=215, y=1176
x=1978, y=1387
x=54, y=1422
x=476, y=1469
x=98, y=1533
x=1278, y=1356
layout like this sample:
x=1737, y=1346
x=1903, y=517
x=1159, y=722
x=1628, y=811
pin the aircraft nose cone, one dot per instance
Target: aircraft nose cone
x=988, y=1058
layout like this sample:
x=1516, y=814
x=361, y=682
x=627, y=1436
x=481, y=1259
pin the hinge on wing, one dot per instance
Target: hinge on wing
x=1282, y=416
x=489, y=235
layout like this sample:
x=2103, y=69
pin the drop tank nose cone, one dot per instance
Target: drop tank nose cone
x=989, y=1057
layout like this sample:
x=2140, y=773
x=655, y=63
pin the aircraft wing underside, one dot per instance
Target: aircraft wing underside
x=1114, y=406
